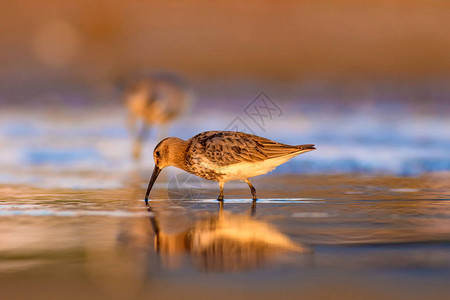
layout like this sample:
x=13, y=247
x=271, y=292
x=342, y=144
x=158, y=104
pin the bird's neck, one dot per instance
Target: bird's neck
x=178, y=154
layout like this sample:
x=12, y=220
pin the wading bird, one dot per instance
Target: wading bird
x=154, y=101
x=223, y=156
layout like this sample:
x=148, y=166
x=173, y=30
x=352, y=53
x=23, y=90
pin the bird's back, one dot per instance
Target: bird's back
x=229, y=155
x=158, y=99
x=230, y=147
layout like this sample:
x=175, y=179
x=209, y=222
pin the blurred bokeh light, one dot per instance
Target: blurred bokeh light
x=57, y=43
x=259, y=39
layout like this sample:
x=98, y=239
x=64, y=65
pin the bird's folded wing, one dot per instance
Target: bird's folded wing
x=228, y=147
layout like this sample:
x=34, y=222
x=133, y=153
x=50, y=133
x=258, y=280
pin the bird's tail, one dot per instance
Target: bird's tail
x=305, y=148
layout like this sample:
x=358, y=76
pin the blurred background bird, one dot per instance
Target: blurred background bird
x=154, y=101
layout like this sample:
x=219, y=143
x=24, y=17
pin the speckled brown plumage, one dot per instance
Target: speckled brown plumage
x=230, y=147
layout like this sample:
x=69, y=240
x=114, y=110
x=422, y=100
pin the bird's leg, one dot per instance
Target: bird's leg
x=133, y=130
x=140, y=139
x=253, y=209
x=131, y=124
x=252, y=189
x=220, y=198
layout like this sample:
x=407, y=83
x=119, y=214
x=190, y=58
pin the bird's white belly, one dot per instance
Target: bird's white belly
x=245, y=170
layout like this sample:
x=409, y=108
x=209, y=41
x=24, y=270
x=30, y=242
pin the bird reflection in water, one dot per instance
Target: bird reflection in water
x=221, y=242
x=186, y=240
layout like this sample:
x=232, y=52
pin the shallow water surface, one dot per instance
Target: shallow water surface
x=308, y=237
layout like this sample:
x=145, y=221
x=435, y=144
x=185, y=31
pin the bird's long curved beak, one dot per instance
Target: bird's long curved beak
x=155, y=174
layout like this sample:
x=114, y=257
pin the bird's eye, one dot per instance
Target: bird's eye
x=157, y=153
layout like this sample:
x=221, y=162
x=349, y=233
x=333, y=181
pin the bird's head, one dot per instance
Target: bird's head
x=169, y=152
